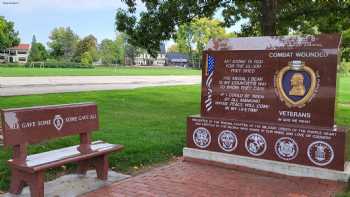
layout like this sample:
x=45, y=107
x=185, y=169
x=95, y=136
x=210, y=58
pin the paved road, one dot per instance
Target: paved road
x=11, y=86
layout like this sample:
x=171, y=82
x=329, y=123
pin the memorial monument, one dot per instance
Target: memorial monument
x=269, y=103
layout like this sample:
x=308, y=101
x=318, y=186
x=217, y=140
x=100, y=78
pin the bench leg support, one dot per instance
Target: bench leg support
x=17, y=183
x=83, y=166
x=36, y=185
x=101, y=165
x=35, y=181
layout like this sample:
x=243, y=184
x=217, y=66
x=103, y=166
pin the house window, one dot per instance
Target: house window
x=22, y=59
x=12, y=52
x=22, y=52
x=2, y=57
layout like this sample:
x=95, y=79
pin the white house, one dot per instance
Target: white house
x=160, y=60
x=17, y=54
x=145, y=59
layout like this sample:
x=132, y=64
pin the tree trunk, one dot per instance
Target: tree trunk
x=268, y=17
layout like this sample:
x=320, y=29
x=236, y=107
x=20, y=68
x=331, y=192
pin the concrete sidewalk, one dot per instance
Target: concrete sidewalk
x=71, y=185
x=11, y=86
x=194, y=179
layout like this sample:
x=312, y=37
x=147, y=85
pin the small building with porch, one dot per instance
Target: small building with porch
x=17, y=54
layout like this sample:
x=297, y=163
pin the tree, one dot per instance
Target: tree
x=173, y=48
x=86, y=58
x=184, y=38
x=37, y=52
x=198, y=33
x=266, y=17
x=120, y=42
x=8, y=35
x=126, y=51
x=130, y=53
x=279, y=17
x=87, y=44
x=34, y=54
x=43, y=52
x=63, y=42
x=204, y=29
x=108, y=51
x=346, y=45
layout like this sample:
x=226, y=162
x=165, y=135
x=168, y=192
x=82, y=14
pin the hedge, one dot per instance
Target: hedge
x=11, y=65
x=63, y=65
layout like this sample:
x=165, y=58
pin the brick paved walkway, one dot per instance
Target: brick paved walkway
x=194, y=179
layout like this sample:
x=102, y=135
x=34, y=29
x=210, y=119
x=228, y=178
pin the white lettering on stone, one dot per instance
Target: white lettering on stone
x=28, y=125
x=294, y=114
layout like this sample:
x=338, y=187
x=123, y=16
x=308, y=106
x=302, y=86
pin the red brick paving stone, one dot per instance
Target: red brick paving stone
x=200, y=180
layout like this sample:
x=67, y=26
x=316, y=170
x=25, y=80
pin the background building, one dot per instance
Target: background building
x=177, y=59
x=17, y=54
x=145, y=59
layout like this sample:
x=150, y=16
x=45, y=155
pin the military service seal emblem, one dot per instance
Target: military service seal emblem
x=227, y=141
x=201, y=137
x=286, y=148
x=296, y=84
x=320, y=153
x=255, y=144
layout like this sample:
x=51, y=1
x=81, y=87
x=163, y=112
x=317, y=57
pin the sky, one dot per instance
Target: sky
x=40, y=17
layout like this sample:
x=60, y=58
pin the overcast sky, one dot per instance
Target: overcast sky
x=40, y=17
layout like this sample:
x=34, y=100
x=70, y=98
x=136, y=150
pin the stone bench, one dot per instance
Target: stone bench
x=24, y=126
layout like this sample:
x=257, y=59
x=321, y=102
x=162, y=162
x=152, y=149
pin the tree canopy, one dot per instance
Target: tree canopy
x=173, y=48
x=346, y=45
x=8, y=35
x=121, y=43
x=161, y=19
x=86, y=58
x=198, y=33
x=108, y=51
x=87, y=45
x=63, y=42
x=126, y=50
x=37, y=52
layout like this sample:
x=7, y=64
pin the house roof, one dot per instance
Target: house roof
x=172, y=56
x=21, y=47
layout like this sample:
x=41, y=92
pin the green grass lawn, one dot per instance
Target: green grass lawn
x=150, y=122
x=343, y=102
x=102, y=71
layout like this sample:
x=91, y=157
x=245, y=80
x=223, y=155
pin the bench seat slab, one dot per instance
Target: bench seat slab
x=59, y=157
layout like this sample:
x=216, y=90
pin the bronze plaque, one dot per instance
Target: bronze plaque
x=35, y=124
x=289, y=80
x=271, y=98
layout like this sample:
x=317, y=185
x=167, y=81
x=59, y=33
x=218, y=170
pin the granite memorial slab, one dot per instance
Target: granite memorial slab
x=274, y=79
x=271, y=98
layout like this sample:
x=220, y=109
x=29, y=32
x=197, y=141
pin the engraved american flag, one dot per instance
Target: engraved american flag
x=208, y=83
x=211, y=64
